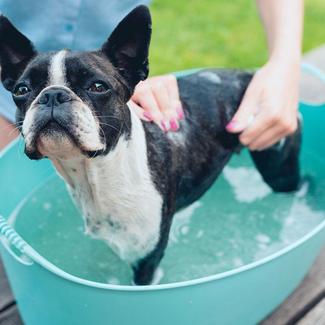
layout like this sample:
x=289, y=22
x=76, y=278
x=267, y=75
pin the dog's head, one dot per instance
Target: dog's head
x=74, y=103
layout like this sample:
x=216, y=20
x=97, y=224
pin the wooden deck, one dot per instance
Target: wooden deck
x=8, y=310
x=306, y=306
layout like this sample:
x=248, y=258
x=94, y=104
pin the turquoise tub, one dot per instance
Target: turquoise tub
x=47, y=295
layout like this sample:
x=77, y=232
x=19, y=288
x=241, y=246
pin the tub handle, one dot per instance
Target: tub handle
x=11, y=238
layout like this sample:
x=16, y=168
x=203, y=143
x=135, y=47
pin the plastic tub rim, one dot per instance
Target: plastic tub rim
x=42, y=261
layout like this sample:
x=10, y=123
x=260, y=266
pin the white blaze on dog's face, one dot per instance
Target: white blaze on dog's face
x=58, y=123
x=74, y=103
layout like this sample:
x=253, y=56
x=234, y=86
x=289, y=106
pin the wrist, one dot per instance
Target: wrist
x=291, y=62
x=288, y=57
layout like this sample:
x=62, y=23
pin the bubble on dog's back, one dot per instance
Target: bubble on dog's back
x=237, y=222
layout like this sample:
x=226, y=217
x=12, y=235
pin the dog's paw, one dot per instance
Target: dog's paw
x=158, y=275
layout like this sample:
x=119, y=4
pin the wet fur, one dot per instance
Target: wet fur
x=210, y=98
x=138, y=179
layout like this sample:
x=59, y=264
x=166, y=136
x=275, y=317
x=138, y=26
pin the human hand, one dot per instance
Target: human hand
x=157, y=100
x=268, y=111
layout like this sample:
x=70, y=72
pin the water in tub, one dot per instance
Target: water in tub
x=238, y=221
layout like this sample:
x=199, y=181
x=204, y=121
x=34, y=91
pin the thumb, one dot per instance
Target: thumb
x=138, y=110
x=245, y=113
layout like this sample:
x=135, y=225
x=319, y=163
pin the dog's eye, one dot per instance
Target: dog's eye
x=98, y=87
x=21, y=90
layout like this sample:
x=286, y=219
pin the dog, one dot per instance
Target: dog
x=126, y=176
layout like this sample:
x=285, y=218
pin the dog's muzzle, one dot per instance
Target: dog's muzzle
x=54, y=97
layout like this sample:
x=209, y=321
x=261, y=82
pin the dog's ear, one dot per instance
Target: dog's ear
x=127, y=47
x=16, y=50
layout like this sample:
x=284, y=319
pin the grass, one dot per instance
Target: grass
x=224, y=33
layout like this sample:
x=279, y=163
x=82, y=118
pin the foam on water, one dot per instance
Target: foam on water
x=238, y=221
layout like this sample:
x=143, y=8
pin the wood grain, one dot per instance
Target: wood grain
x=303, y=299
x=10, y=316
x=5, y=292
x=315, y=316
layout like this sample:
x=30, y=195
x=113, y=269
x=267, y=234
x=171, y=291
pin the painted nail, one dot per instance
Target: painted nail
x=232, y=125
x=165, y=126
x=180, y=112
x=143, y=118
x=148, y=116
x=174, y=125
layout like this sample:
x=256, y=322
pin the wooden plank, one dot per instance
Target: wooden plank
x=10, y=316
x=305, y=297
x=6, y=297
x=315, y=316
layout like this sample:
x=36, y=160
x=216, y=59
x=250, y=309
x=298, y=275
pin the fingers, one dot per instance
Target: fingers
x=165, y=100
x=267, y=139
x=268, y=111
x=138, y=110
x=267, y=129
x=158, y=97
x=245, y=114
x=176, y=104
x=259, y=124
x=145, y=99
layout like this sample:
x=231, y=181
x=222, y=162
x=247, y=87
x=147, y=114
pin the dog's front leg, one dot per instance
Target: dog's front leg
x=144, y=269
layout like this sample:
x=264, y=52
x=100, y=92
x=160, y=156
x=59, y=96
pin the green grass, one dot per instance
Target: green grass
x=224, y=33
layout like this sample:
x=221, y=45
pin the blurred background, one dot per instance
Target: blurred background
x=220, y=33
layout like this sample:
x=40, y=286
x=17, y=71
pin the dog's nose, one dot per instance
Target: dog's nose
x=54, y=97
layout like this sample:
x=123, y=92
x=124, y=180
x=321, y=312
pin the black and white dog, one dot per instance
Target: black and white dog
x=128, y=177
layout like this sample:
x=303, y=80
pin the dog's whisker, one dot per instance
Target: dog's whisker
x=94, y=154
x=111, y=116
x=13, y=130
x=124, y=121
x=119, y=133
x=20, y=144
x=5, y=128
x=113, y=127
x=101, y=129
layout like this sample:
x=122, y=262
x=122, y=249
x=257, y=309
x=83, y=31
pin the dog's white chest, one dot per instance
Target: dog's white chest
x=117, y=197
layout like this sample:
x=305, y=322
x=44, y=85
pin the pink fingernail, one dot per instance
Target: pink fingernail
x=180, y=112
x=165, y=126
x=147, y=115
x=145, y=118
x=174, y=125
x=232, y=125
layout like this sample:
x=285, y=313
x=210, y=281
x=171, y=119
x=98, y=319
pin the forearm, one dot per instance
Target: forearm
x=8, y=132
x=283, y=22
